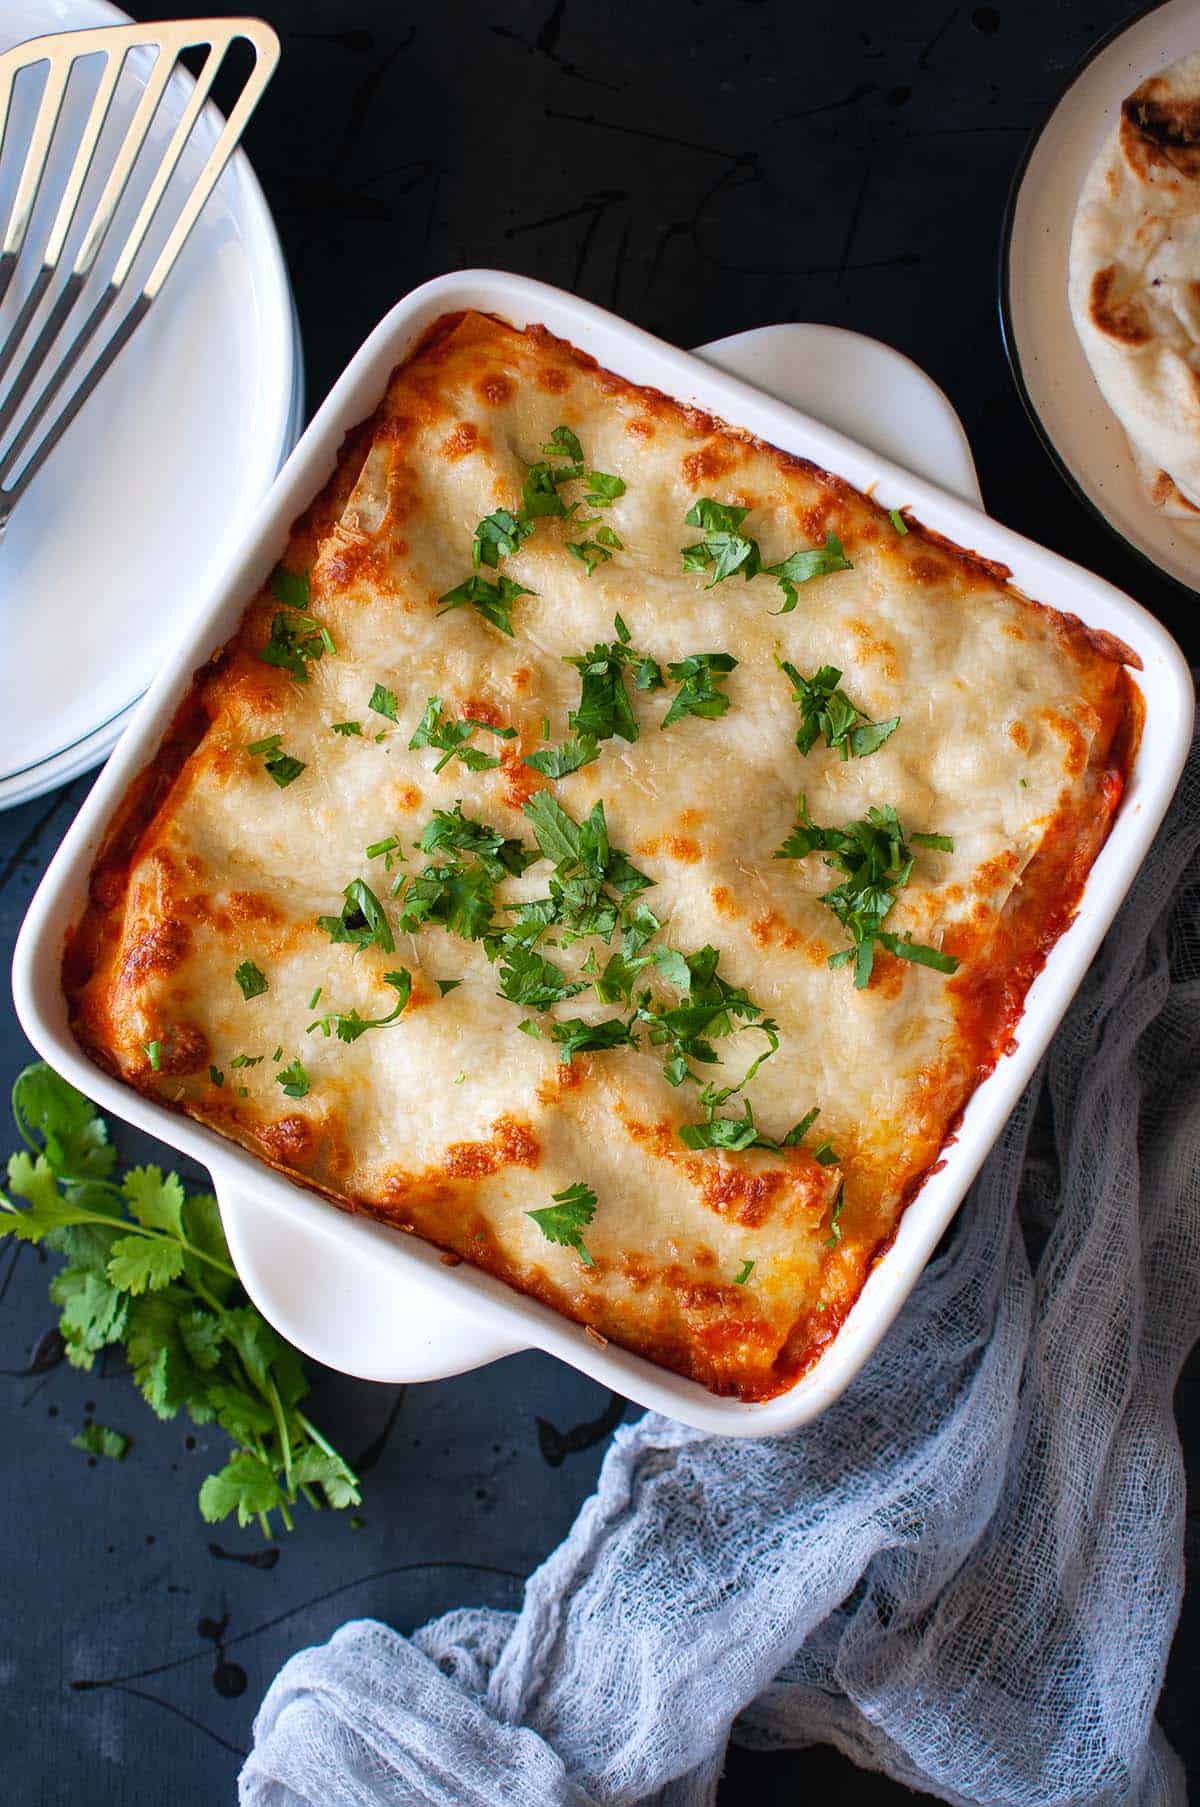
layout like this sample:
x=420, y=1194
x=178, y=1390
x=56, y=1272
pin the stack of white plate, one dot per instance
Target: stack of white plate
x=121, y=534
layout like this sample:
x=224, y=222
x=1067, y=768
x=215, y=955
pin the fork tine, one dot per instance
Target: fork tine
x=219, y=36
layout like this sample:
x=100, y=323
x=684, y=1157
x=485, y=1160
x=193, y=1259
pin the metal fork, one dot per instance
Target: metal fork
x=29, y=435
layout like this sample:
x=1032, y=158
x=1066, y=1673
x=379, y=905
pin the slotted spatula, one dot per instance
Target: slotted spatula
x=56, y=329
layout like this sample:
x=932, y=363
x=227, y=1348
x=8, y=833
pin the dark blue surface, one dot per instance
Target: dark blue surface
x=702, y=166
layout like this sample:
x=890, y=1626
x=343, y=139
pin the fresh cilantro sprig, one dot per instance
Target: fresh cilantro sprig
x=449, y=737
x=147, y=1269
x=877, y=860
x=597, y=550
x=291, y=588
x=725, y=549
x=825, y=709
x=567, y=1218
x=252, y=981
x=458, y=892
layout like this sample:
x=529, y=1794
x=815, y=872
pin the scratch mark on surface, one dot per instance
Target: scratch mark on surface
x=856, y=94
x=168, y=1706
x=925, y=54
x=557, y=1445
x=635, y=131
x=84, y=1683
x=28, y=842
x=375, y=1448
x=856, y=213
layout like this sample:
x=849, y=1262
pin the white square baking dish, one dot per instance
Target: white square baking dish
x=416, y=1317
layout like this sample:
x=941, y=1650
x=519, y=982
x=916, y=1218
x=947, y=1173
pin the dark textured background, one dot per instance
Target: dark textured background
x=701, y=166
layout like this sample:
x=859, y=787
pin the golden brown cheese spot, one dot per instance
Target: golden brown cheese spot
x=512, y=1144
x=480, y=710
x=1069, y=733
x=1160, y=128
x=495, y=389
x=408, y=797
x=677, y=846
x=1124, y=320
x=252, y=908
x=771, y=927
x=182, y=1048
x=568, y=1076
x=521, y=781
x=291, y=1140
x=357, y=560
x=160, y=949
x=690, y=818
x=1018, y=733
x=924, y=570
x=878, y=651
x=463, y=440
x=707, y=465
x=553, y=380
x=723, y=901
x=640, y=428
x=521, y=678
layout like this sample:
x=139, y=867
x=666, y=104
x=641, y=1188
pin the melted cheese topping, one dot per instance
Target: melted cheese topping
x=1013, y=733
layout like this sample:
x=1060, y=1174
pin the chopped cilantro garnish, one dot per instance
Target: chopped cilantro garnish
x=450, y=829
x=601, y=490
x=827, y=710
x=897, y=520
x=590, y=553
x=558, y=762
x=154, y=1055
x=494, y=601
x=362, y=922
x=98, y=1439
x=447, y=985
x=383, y=702
x=563, y=443
x=566, y=1219
x=724, y=549
x=346, y=727
x=281, y=766
x=449, y=737
x=815, y=561
x=252, y=979
x=349, y=1025
x=312, y=1002
x=574, y=1036
x=697, y=693
x=247, y=1060
x=527, y=978
x=497, y=536
x=744, y=1272
x=294, y=1080
x=290, y=588
x=874, y=855
x=294, y=644
x=216, y=1075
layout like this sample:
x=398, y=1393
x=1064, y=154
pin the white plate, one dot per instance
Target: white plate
x=417, y=1315
x=122, y=535
x=1080, y=432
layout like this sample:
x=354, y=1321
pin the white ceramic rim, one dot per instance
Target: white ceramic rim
x=510, y=1319
x=280, y=340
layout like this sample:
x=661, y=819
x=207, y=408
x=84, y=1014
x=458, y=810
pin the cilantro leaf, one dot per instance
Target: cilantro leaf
x=574, y=1036
x=71, y=1129
x=349, y=1025
x=697, y=693
x=877, y=861
x=290, y=588
x=294, y=644
x=744, y=1272
x=138, y=1264
x=449, y=737
x=383, y=702
x=347, y=728
x=527, y=978
x=560, y=761
x=724, y=549
x=279, y=765
x=498, y=536
x=590, y=553
x=604, y=707
x=251, y=980
x=897, y=520
x=154, y=1202
x=825, y=709
x=835, y=1228
x=98, y=1440
x=362, y=922
x=601, y=490
x=450, y=829
x=245, y=1485
x=564, y=444
x=801, y=567
x=294, y=1080
x=494, y=601
x=565, y=1220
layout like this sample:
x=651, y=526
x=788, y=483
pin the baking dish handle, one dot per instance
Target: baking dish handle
x=334, y=1288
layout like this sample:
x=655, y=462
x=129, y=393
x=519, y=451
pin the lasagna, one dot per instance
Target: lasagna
x=610, y=848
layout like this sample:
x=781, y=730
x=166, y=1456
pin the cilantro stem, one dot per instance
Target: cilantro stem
x=285, y=1442
x=328, y=1448
x=130, y=1227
